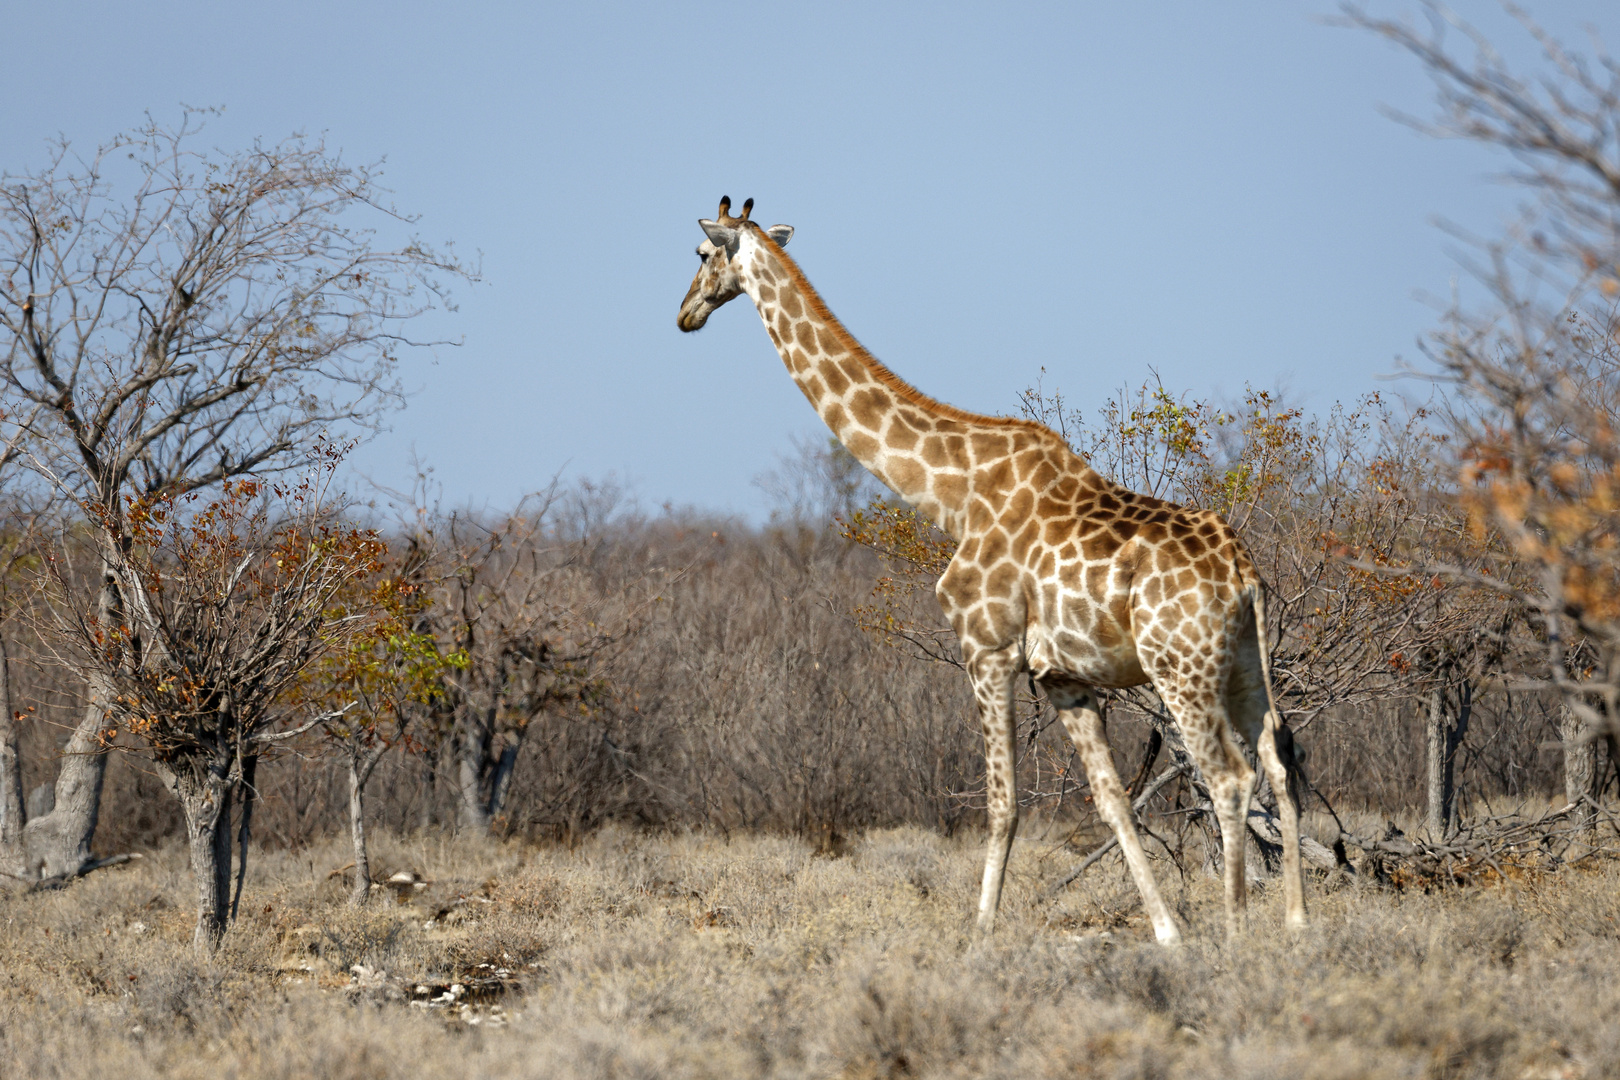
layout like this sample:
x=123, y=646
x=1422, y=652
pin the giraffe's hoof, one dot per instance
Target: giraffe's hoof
x=1165, y=930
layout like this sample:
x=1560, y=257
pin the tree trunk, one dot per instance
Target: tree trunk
x=429, y=815
x=1580, y=757
x=59, y=842
x=474, y=814
x=473, y=766
x=250, y=794
x=359, y=772
x=1609, y=762
x=222, y=860
x=501, y=783
x=205, y=803
x=13, y=815
x=1438, y=796
x=1454, y=740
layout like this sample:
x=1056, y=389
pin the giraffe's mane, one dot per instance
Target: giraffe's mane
x=906, y=392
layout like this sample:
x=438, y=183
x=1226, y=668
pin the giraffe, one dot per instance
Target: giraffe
x=1058, y=571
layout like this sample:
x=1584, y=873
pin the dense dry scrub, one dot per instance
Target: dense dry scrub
x=698, y=956
x=752, y=700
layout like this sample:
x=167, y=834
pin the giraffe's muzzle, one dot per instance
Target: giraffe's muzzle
x=694, y=313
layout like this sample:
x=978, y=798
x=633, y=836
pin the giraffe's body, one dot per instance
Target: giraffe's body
x=1057, y=570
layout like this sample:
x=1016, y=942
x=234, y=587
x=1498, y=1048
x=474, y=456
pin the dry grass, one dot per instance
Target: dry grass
x=636, y=956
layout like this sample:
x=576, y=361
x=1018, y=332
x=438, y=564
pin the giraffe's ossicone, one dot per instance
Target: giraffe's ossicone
x=1058, y=571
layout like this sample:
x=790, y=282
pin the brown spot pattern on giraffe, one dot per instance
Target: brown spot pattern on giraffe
x=833, y=379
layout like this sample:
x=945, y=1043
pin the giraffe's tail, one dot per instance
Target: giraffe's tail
x=1281, y=737
x=1257, y=602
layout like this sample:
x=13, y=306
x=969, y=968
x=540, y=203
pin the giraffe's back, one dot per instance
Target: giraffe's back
x=1120, y=587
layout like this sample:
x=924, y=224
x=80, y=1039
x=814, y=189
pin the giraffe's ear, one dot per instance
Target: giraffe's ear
x=719, y=235
x=781, y=234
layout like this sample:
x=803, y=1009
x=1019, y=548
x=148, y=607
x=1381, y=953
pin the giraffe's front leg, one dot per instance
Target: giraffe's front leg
x=993, y=673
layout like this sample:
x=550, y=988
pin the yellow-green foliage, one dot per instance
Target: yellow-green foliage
x=382, y=662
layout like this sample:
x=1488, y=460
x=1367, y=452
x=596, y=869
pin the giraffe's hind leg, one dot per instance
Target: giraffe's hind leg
x=1288, y=813
x=993, y=673
x=1209, y=738
x=1077, y=706
x=1249, y=706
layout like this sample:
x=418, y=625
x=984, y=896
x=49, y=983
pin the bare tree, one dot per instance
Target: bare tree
x=1535, y=370
x=172, y=318
x=228, y=603
x=515, y=601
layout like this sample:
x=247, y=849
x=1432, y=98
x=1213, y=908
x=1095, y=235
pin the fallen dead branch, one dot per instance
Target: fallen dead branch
x=1492, y=849
x=1113, y=841
x=1312, y=853
x=1262, y=824
x=61, y=881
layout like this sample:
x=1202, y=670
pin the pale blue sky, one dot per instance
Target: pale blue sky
x=979, y=191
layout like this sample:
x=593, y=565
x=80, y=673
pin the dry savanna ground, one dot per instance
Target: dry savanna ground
x=700, y=955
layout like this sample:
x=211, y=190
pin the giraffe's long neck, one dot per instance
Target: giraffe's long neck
x=925, y=451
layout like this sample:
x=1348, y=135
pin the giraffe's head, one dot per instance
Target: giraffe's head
x=727, y=242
